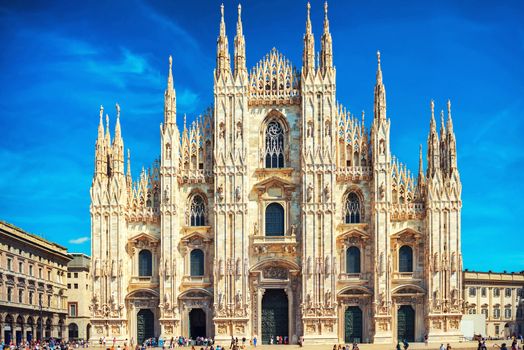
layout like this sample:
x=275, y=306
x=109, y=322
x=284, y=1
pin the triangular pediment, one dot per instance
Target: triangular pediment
x=274, y=181
x=407, y=232
x=144, y=237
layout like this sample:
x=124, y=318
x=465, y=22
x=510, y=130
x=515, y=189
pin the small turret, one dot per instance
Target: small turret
x=433, y=145
x=326, y=52
x=380, y=94
x=170, y=97
x=308, y=55
x=223, y=62
x=240, y=46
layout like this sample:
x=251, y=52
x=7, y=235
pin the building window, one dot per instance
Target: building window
x=9, y=264
x=274, y=145
x=405, y=259
x=472, y=311
x=69, y=286
x=496, y=312
x=31, y=270
x=507, y=313
x=518, y=293
x=496, y=292
x=72, y=309
x=274, y=220
x=9, y=294
x=197, y=211
x=352, y=209
x=76, y=285
x=483, y=292
x=31, y=298
x=69, y=275
x=484, y=311
x=40, y=273
x=508, y=292
x=20, y=267
x=472, y=291
x=20, y=296
x=197, y=262
x=48, y=301
x=145, y=263
x=497, y=330
x=49, y=275
x=75, y=275
x=353, y=260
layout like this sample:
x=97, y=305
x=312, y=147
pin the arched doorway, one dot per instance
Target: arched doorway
x=8, y=328
x=19, y=330
x=197, y=323
x=30, y=327
x=73, y=331
x=145, y=325
x=353, y=325
x=88, y=332
x=275, y=317
x=406, y=323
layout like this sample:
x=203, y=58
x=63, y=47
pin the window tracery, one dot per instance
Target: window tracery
x=197, y=212
x=274, y=140
x=352, y=209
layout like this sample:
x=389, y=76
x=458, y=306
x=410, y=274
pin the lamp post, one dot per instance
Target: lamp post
x=41, y=320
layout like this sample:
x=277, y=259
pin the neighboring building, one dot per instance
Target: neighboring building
x=499, y=297
x=32, y=286
x=278, y=213
x=78, y=297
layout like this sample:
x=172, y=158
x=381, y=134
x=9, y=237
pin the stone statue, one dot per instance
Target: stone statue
x=309, y=192
x=238, y=194
x=255, y=229
x=293, y=229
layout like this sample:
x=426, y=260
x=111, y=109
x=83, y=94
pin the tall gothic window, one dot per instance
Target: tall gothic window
x=197, y=262
x=405, y=259
x=145, y=263
x=352, y=209
x=353, y=260
x=274, y=220
x=197, y=211
x=274, y=145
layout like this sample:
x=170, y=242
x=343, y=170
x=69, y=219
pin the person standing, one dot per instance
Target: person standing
x=255, y=341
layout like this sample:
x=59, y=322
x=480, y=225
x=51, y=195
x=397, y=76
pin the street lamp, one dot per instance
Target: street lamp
x=41, y=320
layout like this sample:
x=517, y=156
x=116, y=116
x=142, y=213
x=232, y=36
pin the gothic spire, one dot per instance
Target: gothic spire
x=420, y=166
x=108, y=134
x=240, y=46
x=450, y=121
x=380, y=93
x=433, y=145
x=128, y=173
x=308, y=55
x=326, y=59
x=170, y=97
x=101, y=126
x=118, y=131
x=222, y=46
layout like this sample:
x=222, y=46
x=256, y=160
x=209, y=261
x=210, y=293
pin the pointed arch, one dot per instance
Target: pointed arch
x=197, y=215
x=274, y=140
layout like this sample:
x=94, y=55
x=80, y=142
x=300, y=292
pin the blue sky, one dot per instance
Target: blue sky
x=61, y=60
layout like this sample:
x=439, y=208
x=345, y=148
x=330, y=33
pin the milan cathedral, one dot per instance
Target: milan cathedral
x=277, y=213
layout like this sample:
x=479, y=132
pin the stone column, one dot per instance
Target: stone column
x=291, y=323
x=260, y=296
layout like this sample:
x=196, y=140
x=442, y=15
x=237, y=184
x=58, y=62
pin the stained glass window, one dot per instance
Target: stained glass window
x=274, y=145
x=274, y=220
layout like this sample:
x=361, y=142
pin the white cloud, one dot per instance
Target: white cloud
x=79, y=240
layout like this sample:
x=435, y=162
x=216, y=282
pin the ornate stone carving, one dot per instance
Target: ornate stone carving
x=275, y=273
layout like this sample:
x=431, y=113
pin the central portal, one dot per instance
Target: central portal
x=197, y=323
x=275, y=315
x=145, y=325
x=406, y=323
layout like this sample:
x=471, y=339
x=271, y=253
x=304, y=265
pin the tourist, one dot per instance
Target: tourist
x=448, y=347
x=255, y=341
x=271, y=340
x=355, y=346
x=425, y=339
x=406, y=344
x=442, y=347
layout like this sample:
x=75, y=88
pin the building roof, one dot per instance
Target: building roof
x=30, y=238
